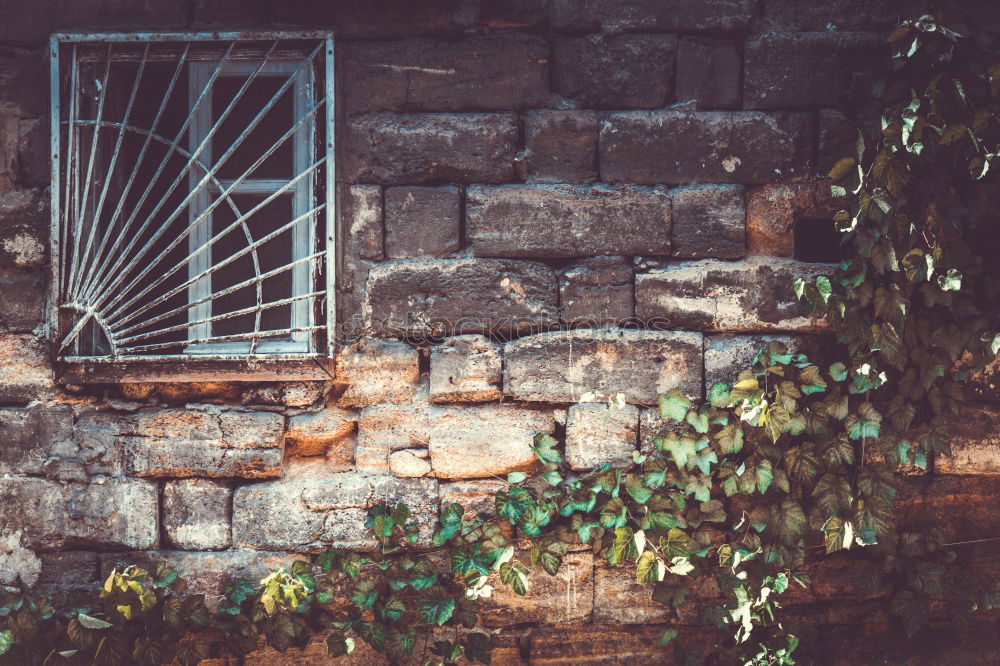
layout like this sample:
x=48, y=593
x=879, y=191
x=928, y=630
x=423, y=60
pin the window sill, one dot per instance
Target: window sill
x=263, y=368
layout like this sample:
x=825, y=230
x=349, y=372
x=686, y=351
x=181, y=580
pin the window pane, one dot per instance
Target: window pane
x=275, y=123
x=271, y=255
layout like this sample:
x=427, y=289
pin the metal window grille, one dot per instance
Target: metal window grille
x=192, y=195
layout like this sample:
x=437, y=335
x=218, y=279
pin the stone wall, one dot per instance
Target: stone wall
x=538, y=199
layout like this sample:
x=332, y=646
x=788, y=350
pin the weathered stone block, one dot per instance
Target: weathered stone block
x=597, y=434
x=838, y=138
x=28, y=435
x=771, y=214
x=706, y=146
x=803, y=70
x=477, y=496
x=562, y=146
x=709, y=221
x=383, y=429
x=315, y=433
x=618, y=599
x=9, y=167
x=120, y=513
x=196, y=514
x=669, y=15
x=456, y=296
x=487, y=441
x=597, y=291
x=422, y=221
x=71, y=566
x=422, y=148
x=365, y=232
x=185, y=443
x=409, y=463
x=23, y=82
x=309, y=514
x=376, y=371
x=23, y=234
x=27, y=374
x=615, y=71
x=561, y=366
x=465, y=368
x=566, y=597
x=727, y=355
x=205, y=573
x=33, y=152
x=975, y=443
x=708, y=71
x=754, y=295
x=491, y=72
x=567, y=220
x=31, y=25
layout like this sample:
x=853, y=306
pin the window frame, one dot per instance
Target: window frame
x=270, y=360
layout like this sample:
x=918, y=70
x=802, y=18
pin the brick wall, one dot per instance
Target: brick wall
x=538, y=199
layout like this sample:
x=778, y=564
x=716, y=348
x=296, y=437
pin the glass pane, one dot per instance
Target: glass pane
x=275, y=123
x=273, y=254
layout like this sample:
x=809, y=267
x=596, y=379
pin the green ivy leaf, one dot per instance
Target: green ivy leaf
x=437, y=611
x=6, y=641
x=544, y=447
x=718, y=395
x=865, y=424
x=674, y=405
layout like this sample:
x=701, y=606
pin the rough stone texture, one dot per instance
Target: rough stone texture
x=317, y=433
x=409, y=463
x=711, y=295
x=22, y=301
x=708, y=71
x=618, y=599
x=975, y=447
x=487, y=441
x=68, y=566
x=567, y=220
x=32, y=24
x=312, y=513
x=845, y=15
x=668, y=15
x=727, y=355
x=376, y=371
x=196, y=514
x=597, y=434
x=28, y=436
x=477, y=496
x=615, y=71
x=772, y=211
x=19, y=566
x=423, y=148
x=365, y=232
x=27, y=374
x=561, y=145
x=119, y=513
x=706, y=146
x=838, y=138
x=493, y=72
x=803, y=70
x=708, y=221
x=23, y=234
x=23, y=88
x=597, y=292
x=456, y=296
x=561, y=366
x=185, y=443
x=422, y=221
x=206, y=573
x=566, y=597
x=465, y=368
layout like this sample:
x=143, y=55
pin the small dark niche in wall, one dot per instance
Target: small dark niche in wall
x=817, y=240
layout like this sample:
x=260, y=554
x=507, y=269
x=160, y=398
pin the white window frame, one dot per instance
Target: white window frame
x=304, y=344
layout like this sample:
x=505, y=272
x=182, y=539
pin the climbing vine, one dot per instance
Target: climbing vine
x=794, y=459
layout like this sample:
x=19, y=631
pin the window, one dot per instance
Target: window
x=192, y=194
